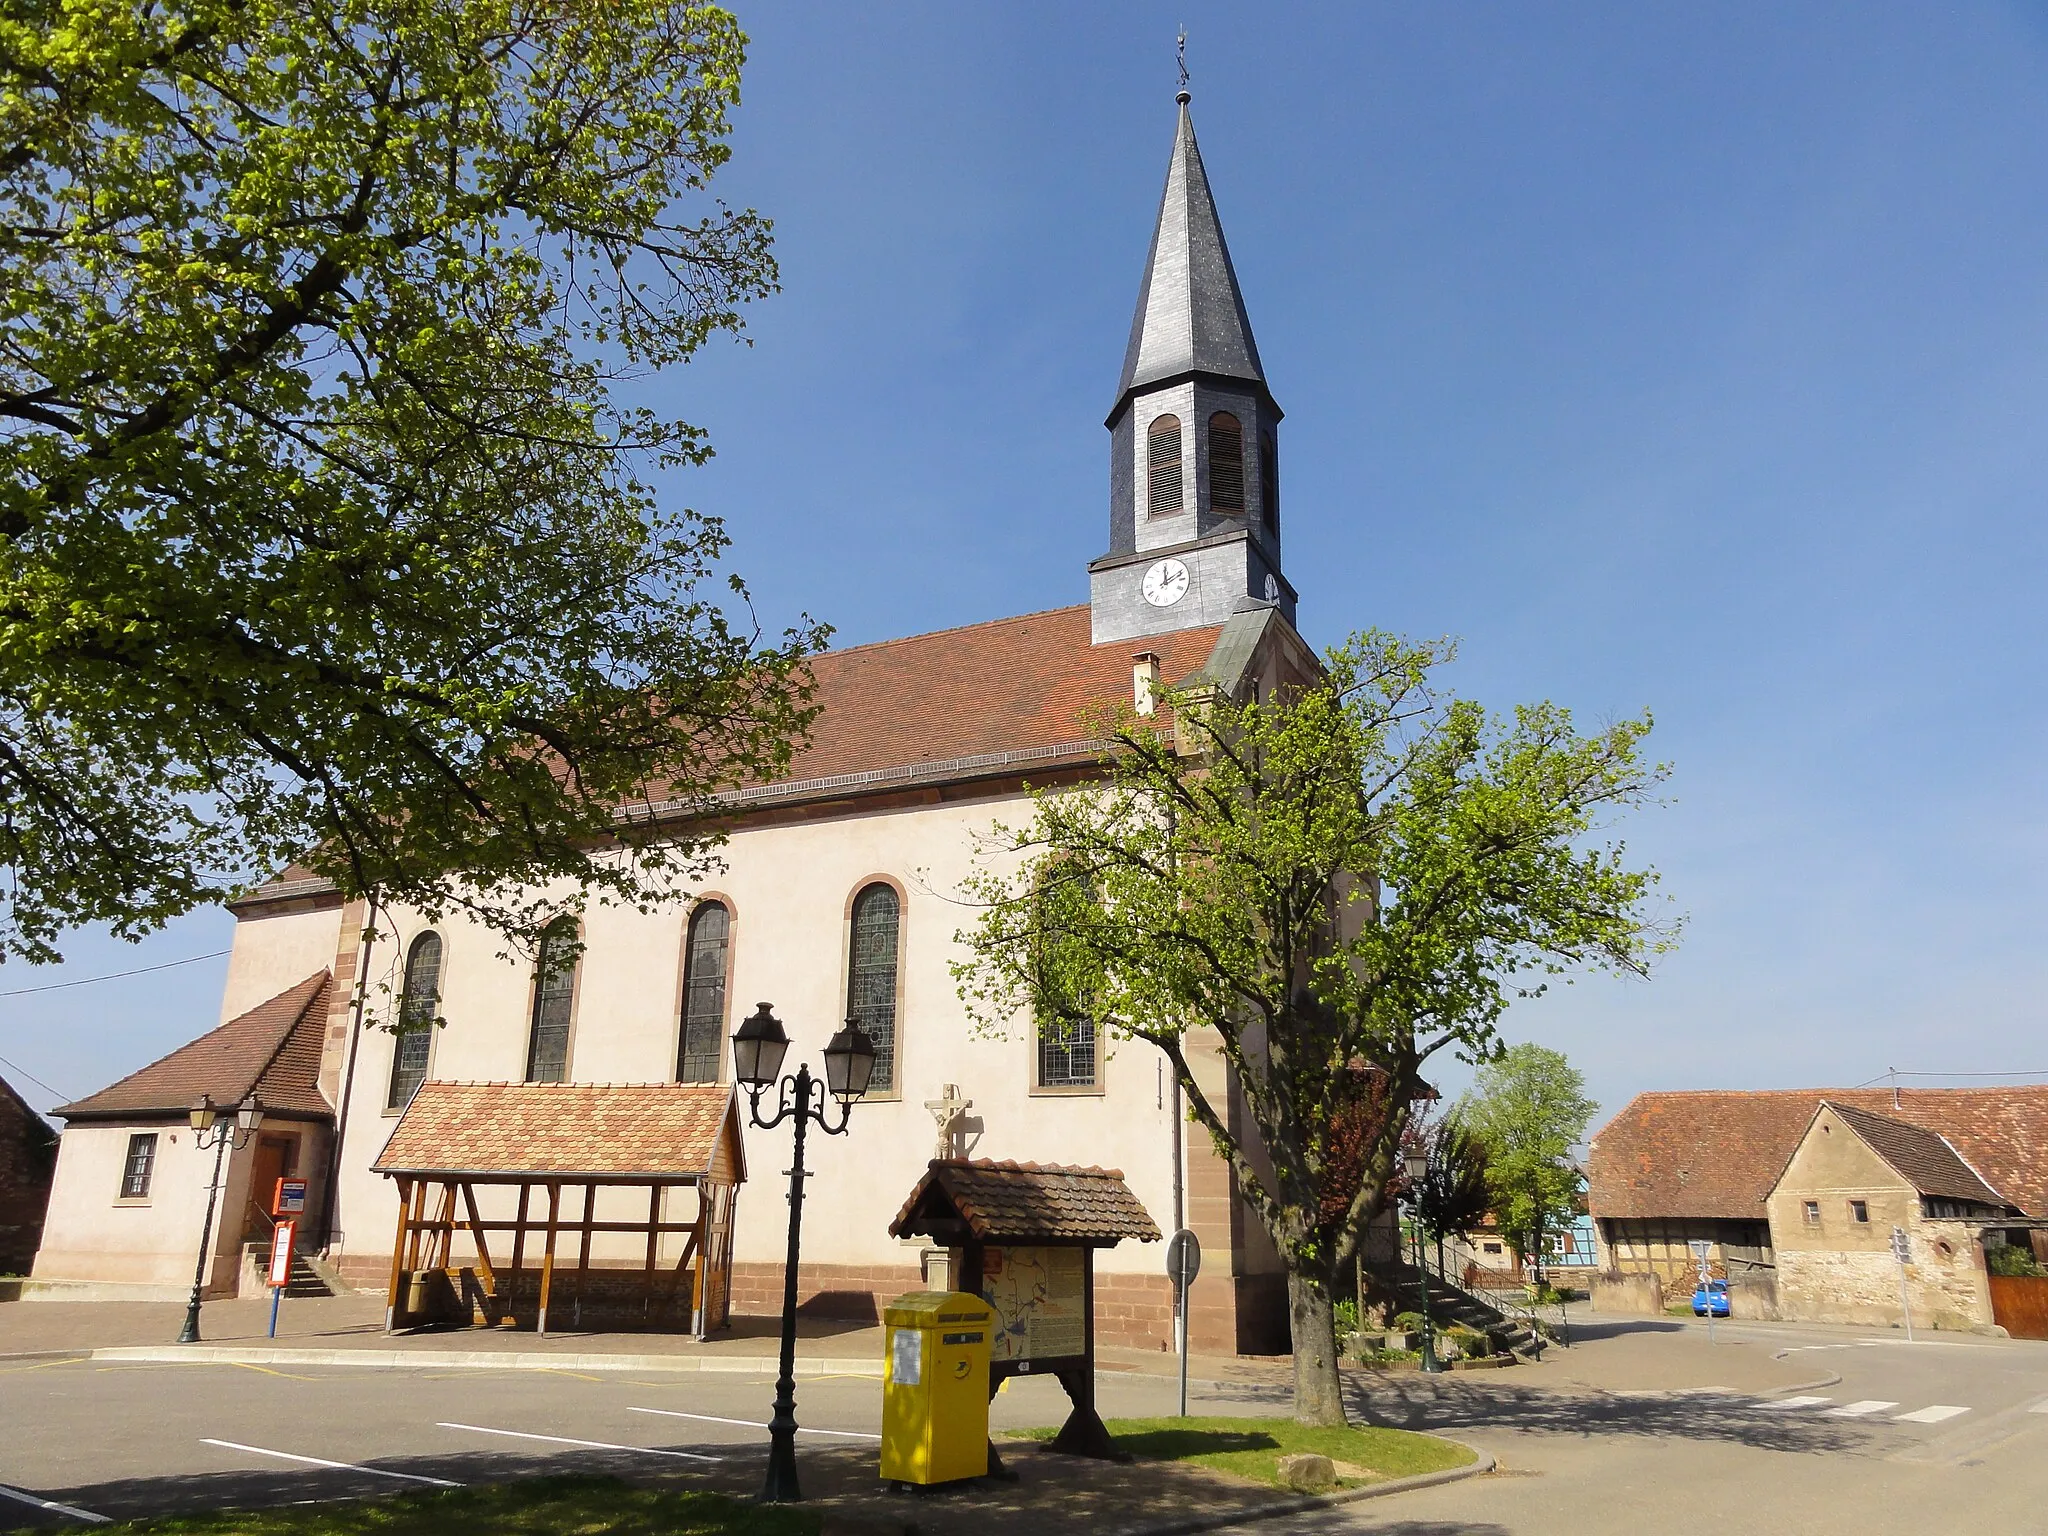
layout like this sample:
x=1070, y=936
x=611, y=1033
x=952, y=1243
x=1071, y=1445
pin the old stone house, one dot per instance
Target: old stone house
x=1672, y=1169
x=28, y=1156
x=839, y=896
x=1854, y=1177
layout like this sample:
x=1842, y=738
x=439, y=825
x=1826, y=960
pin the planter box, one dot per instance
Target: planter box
x=1484, y=1363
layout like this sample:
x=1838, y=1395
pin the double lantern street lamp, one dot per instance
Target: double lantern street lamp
x=215, y=1127
x=1415, y=1163
x=758, y=1047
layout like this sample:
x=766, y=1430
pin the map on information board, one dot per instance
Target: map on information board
x=1041, y=1311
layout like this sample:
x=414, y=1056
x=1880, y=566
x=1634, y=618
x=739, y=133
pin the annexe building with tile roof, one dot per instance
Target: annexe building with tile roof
x=840, y=888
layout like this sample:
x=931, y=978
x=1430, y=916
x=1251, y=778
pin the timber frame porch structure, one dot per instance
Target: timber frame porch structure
x=558, y=1145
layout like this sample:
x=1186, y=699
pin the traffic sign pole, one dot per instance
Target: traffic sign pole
x=1902, y=1253
x=1700, y=1250
x=1183, y=1263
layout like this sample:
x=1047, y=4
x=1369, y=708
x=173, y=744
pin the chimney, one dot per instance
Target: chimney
x=1145, y=682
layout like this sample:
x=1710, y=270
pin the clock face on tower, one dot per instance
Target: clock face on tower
x=1166, y=583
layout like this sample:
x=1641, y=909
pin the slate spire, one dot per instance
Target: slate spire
x=1190, y=316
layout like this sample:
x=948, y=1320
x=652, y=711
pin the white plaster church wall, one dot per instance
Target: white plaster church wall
x=789, y=888
x=291, y=947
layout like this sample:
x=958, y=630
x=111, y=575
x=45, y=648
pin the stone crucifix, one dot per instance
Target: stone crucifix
x=949, y=1110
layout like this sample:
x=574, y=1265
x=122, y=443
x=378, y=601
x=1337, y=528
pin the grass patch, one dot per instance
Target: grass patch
x=1252, y=1448
x=541, y=1506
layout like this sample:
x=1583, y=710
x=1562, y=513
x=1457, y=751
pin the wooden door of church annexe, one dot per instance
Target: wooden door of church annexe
x=543, y=1156
x=1023, y=1237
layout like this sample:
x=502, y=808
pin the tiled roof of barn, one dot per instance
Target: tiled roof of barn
x=1717, y=1154
x=1921, y=1157
x=606, y=1131
x=273, y=1050
x=1024, y=1202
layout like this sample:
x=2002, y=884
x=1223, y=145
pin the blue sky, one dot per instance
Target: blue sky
x=1690, y=358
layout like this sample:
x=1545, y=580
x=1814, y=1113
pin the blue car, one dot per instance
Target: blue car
x=1713, y=1296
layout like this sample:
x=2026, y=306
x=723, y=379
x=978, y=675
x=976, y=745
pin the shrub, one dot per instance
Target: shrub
x=1408, y=1322
x=2007, y=1259
x=1347, y=1317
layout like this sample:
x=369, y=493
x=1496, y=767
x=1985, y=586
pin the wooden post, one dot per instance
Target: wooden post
x=419, y=1206
x=518, y=1256
x=444, y=1243
x=483, y=1252
x=547, y=1258
x=583, y=1248
x=653, y=1243
x=398, y=1256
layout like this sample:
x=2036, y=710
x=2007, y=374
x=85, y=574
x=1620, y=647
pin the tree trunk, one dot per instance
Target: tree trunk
x=1318, y=1390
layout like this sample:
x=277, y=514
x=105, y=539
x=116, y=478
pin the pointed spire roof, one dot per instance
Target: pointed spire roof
x=1190, y=315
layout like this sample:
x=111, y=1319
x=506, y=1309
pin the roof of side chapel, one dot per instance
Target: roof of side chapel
x=273, y=1051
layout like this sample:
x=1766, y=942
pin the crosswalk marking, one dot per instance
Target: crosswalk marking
x=1787, y=1404
x=1858, y=1410
x=1930, y=1415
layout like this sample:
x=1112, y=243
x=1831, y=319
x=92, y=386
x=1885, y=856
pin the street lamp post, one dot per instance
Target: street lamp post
x=1416, y=1166
x=216, y=1128
x=758, y=1047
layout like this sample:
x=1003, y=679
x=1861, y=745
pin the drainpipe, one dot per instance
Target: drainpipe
x=332, y=1196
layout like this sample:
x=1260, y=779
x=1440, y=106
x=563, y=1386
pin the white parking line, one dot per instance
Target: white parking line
x=1869, y=1405
x=712, y=1418
x=1930, y=1415
x=593, y=1445
x=1788, y=1404
x=2040, y=1407
x=55, y=1508
x=321, y=1461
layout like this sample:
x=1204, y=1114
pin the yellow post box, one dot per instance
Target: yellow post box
x=935, y=1395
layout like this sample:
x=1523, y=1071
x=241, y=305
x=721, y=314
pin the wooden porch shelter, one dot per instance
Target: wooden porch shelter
x=526, y=1165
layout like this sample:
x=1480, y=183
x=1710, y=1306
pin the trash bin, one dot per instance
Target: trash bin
x=935, y=1392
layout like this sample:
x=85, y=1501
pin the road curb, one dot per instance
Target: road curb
x=29, y=1355
x=1306, y=1503
x=469, y=1360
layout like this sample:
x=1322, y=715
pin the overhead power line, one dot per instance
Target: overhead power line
x=141, y=970
x=23, y=1072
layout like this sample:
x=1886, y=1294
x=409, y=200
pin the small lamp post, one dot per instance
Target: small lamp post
x=758, y=1047
x=217, y=1128
x=1415, y=1163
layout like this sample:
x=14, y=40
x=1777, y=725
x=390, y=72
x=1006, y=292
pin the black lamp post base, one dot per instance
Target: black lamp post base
x=191, y=1332
x=781, y=1485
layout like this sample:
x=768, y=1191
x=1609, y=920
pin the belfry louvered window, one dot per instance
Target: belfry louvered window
x=418, y=1006
x=871, y=977
x=554, y=989
x=704, y=995
x=1226, y=463
x=1269, y=481
x=1162, y=466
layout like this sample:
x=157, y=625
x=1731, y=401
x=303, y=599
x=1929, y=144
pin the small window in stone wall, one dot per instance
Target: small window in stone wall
x=141, y=1164
x=1859, y=1210
x=1813, y=1213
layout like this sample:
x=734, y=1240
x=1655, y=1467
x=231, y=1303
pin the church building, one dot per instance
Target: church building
x=838, y=898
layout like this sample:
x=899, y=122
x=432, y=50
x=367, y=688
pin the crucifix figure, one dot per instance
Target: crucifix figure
x=949, y=1110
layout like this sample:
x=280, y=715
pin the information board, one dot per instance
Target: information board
x=1040, y=1297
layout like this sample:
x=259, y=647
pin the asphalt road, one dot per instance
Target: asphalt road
x=1929, y=1438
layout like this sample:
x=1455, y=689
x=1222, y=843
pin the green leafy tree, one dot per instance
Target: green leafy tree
x=323, y=534
x=1347, y=871
x=1530, y=1106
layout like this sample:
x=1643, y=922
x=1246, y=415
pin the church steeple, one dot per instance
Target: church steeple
x=1194, y=516
x=1190, y=317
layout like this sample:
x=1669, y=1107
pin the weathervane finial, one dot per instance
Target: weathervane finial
x=1181, y=59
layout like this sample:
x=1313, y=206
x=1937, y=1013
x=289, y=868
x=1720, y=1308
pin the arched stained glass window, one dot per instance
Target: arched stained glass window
x=554, y=988
x=418, y=1006
x=1162, y=466
x=871, y=976
x=1065, y=981
x=704, y=974
x=1226, y=463
x=1269, y=481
